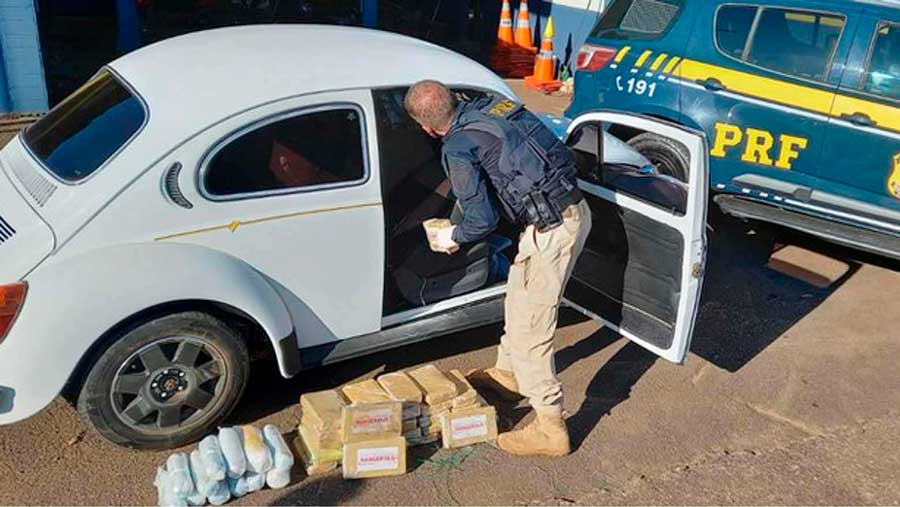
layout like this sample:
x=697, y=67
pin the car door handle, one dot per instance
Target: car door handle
x=711, y=84
x=861, y=119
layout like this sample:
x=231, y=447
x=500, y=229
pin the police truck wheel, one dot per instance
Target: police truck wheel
x=166, y=382
x=670, y=157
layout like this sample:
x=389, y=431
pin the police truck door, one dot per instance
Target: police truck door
x=642, y=267
x=863, y=139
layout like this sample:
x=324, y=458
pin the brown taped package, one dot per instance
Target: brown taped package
x=321, y=447
x=375, y=458
x=312, y=466
x=467, y=427
x=437, y=388
x=322, y=410
x=467, y=394
x=432, y=226
x=367, y=391
x=437, y=410
x=400, y=387
x=364, y=421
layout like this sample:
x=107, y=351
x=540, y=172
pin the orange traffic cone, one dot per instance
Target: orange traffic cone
x=505, y=32
x=545, y=65
x=523, y=27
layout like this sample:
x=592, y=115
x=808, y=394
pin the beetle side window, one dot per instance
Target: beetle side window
x=797, y=43
x=86, y=129
x=308, y=150
x=733, y=23
x=883, y=72
x=637, y=19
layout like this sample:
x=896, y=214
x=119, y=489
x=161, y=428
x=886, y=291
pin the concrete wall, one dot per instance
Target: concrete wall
x=22, y=84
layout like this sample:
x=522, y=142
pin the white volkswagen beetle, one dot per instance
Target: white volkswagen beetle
x=263, y=187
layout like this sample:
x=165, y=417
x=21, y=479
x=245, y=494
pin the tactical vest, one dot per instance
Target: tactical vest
x=532, y=161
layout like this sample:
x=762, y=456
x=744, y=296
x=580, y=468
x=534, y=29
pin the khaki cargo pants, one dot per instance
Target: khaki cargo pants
x=534, y=291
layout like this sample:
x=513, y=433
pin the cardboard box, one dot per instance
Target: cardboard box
x=375, y=458
x=468, y=427
x=365, y=421
x=367, y=391
x=322, y=410
x=437, y=388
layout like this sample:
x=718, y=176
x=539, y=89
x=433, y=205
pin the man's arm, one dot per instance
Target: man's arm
x=480, y=216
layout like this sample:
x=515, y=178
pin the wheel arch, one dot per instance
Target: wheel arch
x=76, y=303
x=248, y=328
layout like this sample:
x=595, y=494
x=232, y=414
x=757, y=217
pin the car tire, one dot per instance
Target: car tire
x=166, y=382
x=670, y=157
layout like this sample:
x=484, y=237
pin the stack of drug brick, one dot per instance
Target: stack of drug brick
x=366, y=426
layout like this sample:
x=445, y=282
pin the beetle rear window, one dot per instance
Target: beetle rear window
x=637, y=19
x=87, y=128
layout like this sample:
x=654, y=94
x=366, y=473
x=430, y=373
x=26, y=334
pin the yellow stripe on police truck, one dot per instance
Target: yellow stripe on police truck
x=658, y=62
x=671, y=65
x=884, y=116
x=643, y=58
x=790, y=94
x=621, y=54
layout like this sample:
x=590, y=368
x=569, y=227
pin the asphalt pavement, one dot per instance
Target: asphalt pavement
x=791, y=395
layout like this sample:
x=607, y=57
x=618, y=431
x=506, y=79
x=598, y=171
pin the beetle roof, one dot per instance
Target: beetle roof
x=205, y=76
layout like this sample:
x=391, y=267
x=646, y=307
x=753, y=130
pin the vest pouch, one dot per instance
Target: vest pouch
x=541, y=212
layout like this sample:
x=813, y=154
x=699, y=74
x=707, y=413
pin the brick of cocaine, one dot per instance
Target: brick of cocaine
x=468, y=427
x=437, y=388
x=322, y=410
x=375, y=458
x=363, y=421
x=367, y=391
x=466, y=394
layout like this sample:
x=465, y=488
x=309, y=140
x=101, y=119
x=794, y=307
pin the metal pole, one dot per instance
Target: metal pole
x=129, y=27
x=5, y=105
x=369, y=13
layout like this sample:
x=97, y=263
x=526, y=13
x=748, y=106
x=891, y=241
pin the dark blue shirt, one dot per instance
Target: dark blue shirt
x=468, y=158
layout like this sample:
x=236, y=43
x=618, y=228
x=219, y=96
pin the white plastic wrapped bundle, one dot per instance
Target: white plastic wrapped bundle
x=255, y=482
x=282, y=458
x=219, y=494
x=259, y=460
x=233, y=450
x=238, y=487
x=202, y=484
x=213, y=460
x=165, y=496
x=179, y=475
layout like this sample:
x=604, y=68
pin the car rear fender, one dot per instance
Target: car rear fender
x=73, y=302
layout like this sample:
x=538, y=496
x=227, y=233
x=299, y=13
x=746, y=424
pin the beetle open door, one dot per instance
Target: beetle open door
x=642, y=267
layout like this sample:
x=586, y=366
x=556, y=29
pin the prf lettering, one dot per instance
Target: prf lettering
x=759, y=146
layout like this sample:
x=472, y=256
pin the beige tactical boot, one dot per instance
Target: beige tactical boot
x=545, y=436
x=501, y=382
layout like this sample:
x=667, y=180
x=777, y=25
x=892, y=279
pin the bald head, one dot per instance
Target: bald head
x=431, y=104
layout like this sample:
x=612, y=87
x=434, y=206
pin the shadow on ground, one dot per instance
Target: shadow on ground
x=745, y=300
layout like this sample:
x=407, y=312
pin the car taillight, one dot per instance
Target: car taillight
x=11, y=298
x=591, y=57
